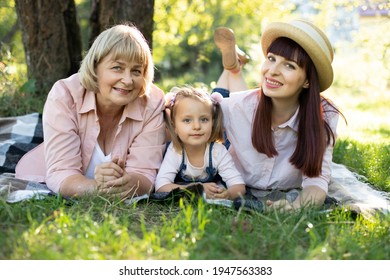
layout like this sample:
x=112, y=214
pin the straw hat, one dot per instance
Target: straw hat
x=311, y=39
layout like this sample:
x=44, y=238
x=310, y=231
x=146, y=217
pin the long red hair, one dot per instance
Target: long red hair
x=314, y=133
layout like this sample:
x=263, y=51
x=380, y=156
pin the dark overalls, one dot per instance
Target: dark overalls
x=212, y=173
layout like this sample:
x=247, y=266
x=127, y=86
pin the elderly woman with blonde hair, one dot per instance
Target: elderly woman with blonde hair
x=104, y=130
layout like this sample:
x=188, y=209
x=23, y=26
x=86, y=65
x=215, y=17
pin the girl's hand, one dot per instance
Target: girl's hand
x=223, y=195
x=213, y=191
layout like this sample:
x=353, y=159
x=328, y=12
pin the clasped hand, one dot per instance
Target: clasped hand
x=112, y=179
x=281, y=205
x=214, y=191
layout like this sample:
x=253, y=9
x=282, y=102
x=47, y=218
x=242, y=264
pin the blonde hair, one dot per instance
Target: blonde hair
x=122, y=41
x=172, y=101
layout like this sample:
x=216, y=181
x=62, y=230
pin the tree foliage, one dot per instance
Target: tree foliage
x=183, y=47
x=183, y=34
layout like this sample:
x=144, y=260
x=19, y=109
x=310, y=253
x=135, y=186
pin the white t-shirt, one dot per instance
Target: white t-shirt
x=97, y=158
x=221, y=159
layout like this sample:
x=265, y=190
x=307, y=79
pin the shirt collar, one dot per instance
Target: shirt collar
x=131, y=111
x=88, y=103
x=292, y=122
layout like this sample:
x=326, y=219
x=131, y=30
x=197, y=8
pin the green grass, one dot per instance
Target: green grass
x=367, y=159
x=363, y=143
x=94, y=229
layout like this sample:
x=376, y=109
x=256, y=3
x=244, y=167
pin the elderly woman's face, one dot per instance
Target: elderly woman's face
x=120, y=82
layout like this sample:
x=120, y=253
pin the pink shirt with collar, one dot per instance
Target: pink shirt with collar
x=257, y=170
x=71, y=128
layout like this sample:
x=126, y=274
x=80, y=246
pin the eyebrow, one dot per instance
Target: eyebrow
x=201, y=116
x=289, y=60
x=122, y=62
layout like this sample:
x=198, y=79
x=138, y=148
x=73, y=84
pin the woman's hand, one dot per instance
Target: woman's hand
x=108, y=171
x=112, y=178
x=121, y=187
x=309, y=196
x=119, y=183
x=281, y=205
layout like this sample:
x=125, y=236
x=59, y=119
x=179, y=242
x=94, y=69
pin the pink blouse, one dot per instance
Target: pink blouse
x=71, y=129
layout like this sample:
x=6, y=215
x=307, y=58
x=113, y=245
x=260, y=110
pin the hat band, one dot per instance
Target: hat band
x=313, y=33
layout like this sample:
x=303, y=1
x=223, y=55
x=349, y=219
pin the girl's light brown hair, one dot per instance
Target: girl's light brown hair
x=173, y=101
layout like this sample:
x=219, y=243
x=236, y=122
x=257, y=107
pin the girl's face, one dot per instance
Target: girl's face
x=282, y=78
x=120, y=82
x=193, y=121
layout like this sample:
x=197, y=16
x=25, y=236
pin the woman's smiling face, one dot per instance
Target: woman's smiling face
x=120, y=82
x=282, y=78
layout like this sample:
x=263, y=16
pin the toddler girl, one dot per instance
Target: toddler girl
x=196, y=153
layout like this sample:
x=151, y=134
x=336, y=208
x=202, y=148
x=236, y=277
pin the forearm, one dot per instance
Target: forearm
x=310, y=195
x=77, y=185
x=168, y=187
x=236, y=191
x=138, y=184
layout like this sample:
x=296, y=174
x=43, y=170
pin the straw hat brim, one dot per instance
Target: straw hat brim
x=311, y=39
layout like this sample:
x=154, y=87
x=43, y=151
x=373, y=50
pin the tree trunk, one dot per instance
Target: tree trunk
x=106, y=13
x=51, y=39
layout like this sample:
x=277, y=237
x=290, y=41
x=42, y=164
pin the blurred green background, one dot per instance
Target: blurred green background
x=184, y=51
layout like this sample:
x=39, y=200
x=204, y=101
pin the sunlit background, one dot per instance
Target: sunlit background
x=184, y=51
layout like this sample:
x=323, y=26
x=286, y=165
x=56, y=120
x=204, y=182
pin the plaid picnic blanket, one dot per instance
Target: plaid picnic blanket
x=351, y=190
x=18, y=135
